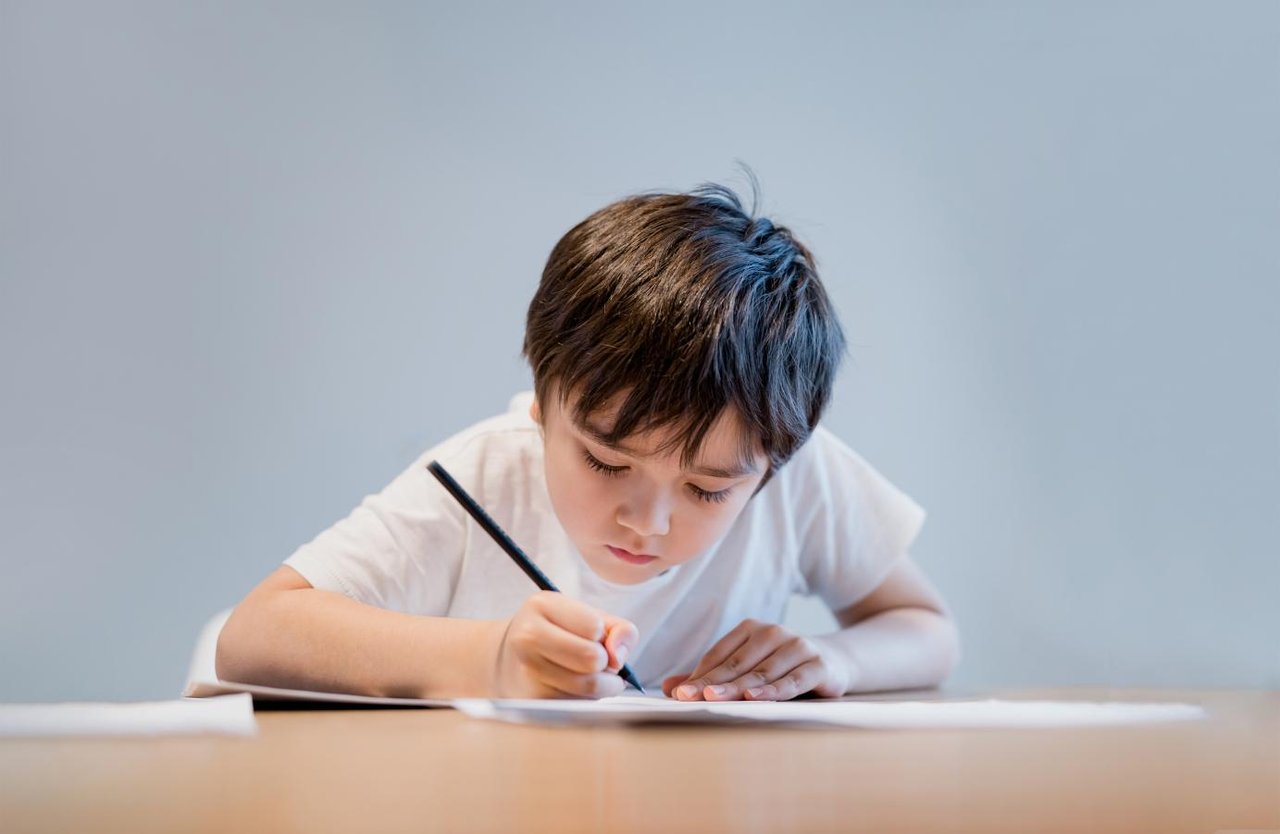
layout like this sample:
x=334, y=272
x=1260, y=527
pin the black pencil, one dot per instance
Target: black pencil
x=504, y=541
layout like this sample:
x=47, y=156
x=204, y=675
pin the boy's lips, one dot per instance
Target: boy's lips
x=629, y=557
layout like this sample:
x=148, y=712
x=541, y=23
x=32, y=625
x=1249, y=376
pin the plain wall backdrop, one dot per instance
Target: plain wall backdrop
x=255, y=257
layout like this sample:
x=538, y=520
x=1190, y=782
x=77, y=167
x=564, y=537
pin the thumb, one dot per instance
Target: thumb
x=620, y=638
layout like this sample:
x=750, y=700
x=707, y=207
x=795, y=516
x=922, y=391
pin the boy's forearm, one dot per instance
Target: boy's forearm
x=902, y=648
x=313, y=639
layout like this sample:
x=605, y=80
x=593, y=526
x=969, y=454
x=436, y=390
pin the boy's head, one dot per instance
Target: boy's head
x=672, y=334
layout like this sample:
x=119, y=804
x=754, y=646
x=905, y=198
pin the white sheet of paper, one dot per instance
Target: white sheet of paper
x=625, y=709
x=202, y=682
x=205, y=689
x=224, y=715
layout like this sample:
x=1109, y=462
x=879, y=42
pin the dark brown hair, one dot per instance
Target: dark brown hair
x=688, y=305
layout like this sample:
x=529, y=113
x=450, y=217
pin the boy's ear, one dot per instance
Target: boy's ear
x=535, y=412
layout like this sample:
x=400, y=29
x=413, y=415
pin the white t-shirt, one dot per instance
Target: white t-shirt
x=827, y=523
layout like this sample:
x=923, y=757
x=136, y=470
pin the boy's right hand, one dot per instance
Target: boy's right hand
x=557, y=647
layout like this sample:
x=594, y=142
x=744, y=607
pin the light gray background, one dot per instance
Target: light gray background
x=257, y=256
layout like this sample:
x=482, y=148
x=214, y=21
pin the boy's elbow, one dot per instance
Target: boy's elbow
x=229, y=655
x=239, y=653
x=239, y=650
x=949, y=652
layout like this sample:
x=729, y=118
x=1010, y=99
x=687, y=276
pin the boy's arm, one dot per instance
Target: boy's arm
x=899, y=636
x=288, y=634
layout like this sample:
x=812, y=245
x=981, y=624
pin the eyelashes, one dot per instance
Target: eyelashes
x=600, y=466
x=718, y=497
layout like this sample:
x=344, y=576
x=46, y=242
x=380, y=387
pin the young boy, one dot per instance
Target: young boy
x=668, y=474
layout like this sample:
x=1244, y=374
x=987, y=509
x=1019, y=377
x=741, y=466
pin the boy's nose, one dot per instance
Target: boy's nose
x=645, y=517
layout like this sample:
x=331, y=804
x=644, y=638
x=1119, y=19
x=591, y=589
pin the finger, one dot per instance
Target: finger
x=570, y=614
x=620, y=640
x=724, y=647
x=798, y=681
x=793, y=652
x=568, y=650
x=691, y=689
x=761, y=644
x=574, y=685
x=669, y=684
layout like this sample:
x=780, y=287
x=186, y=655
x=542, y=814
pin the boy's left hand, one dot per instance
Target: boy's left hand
x=761, y=662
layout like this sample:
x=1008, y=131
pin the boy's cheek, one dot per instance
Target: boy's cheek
x=571, y=499
x=580, y=513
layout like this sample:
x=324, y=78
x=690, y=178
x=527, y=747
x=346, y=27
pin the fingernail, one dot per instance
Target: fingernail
x=687, y=690
x=621, y=654
x=719, y=690
x=756, y=693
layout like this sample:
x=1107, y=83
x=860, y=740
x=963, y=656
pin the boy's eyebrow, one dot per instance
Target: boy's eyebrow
x=738, y=470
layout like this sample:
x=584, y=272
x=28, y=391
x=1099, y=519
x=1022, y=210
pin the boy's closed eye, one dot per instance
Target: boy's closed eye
x=714, y=496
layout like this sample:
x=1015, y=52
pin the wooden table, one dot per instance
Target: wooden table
x=435, y=770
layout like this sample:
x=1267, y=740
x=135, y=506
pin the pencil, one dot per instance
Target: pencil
x=504, y=541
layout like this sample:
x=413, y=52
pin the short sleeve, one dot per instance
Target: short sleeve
x=855, y=526
x=402, y=548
